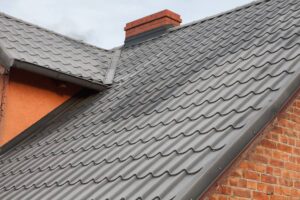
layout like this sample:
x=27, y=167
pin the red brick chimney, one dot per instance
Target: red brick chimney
x=150, y=26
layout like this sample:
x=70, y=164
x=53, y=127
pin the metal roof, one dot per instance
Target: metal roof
x=181, y=109
x=42, y=51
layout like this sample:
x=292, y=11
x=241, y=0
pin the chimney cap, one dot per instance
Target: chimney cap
x=164, y=13
x=151, y=25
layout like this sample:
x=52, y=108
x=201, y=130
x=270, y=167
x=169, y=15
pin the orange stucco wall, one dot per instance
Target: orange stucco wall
x=27, y=98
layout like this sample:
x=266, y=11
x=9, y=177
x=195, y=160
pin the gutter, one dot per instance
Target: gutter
x=57, y=75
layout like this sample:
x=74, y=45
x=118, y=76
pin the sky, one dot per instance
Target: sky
x=101, y=22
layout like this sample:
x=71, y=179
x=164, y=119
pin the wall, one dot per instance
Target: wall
x=270, y=167
x=27, y=98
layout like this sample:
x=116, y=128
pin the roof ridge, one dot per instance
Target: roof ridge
x=52, y=32
x=221, y=14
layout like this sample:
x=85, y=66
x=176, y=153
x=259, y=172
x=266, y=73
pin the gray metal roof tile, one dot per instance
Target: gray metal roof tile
x=182, y=106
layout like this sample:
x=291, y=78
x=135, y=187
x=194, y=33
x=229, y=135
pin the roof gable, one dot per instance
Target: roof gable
x=182, y=107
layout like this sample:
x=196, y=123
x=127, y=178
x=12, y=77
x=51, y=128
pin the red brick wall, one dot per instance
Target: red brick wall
x=270, y=167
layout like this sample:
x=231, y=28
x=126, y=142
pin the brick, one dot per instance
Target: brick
x=286, y=191
x=278, y=197
x=260, y=158
x=295, y=192
x=214, y=197
x=269, y=170
x=261, y=187
x=285, y=182
x=222, y=198
x=297, y=184
x=252, y=185
x=266, y=188
x=233, y=181
x=270, y=189
x=279, y=155
x=292, y=141
x=242, y=183
x=277, y=163
x=278, y=190
x=277, y=172
x=245, y=165
x=259, y=150
x=237, y=173
x=251, y=175
x=292, y=166
x=225, y=190
x=274, y=136
x=297, y=111
x=296, y=151
x=259, y=168
x=290, y=174
x=268, y=179
x=284, y=148
x=242, y=193
x=268, y=144
x=260, y=196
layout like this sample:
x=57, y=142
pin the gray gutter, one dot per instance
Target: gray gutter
x=57, y=75
x=207, y=178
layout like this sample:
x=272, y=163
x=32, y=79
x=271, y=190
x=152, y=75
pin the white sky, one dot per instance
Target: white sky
x=101, y=22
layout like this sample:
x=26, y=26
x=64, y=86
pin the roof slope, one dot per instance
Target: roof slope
x=52, y=52
x=183, y=106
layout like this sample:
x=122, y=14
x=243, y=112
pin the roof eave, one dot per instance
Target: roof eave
x=8, y=61
x=57, y=75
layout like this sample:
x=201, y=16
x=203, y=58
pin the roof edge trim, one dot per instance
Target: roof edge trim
x=109, y=77
x=206, y=179
x=57, y=75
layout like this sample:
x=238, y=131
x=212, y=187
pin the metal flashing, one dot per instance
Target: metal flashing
x=109, y=78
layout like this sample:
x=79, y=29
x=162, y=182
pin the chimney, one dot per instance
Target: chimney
x=150, y=26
